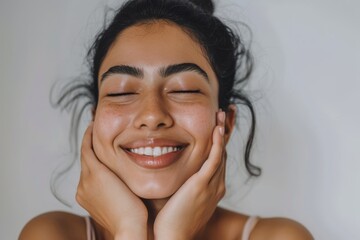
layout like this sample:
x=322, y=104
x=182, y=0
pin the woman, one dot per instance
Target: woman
x=153, y=158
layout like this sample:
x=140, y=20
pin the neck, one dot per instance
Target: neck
x=154, y=206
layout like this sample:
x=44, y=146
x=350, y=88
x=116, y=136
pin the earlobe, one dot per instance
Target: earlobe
x=230, y=121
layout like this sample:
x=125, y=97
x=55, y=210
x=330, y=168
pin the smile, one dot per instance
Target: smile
x=155, y=157
x=154, y=151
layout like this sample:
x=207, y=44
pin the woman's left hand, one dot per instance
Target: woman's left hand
x=192, y=206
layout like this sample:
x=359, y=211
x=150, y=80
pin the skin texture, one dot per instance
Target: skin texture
x=155, y=111
x=179, y=199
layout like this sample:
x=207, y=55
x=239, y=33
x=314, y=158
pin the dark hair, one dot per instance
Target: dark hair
x=226, y=53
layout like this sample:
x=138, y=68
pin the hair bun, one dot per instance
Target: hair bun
x=206, y=5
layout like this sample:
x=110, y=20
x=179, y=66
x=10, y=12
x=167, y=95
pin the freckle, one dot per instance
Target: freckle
x=113, y=111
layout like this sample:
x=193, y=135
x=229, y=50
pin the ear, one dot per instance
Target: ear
x=230, y=121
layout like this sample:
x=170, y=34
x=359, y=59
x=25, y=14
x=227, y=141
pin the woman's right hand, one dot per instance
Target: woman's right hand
x=107, y=199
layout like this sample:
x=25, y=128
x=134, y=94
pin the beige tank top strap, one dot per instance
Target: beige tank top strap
x=90, y=232
x=248, y=227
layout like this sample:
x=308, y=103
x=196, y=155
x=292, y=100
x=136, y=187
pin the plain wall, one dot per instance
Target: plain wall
x=305, y=86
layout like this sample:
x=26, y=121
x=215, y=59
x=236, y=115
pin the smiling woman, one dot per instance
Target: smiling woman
x=167, y=104
x=163, y=91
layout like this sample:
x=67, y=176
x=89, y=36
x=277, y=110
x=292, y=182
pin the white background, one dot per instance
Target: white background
x=306, y=86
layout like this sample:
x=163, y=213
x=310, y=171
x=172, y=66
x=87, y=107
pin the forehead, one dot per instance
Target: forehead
x=154, y=44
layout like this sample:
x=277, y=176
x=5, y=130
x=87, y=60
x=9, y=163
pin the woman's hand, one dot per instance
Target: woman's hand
x=108, y=200
x=191, y=207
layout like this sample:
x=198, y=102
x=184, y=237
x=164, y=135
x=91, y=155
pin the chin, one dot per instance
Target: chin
x=154, y=191
x=154, y=196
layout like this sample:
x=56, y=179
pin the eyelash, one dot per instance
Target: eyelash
x=132, y=93
x=186, y=91
x=120, y=94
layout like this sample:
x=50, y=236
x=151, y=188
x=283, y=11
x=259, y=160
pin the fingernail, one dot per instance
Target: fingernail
x=222, y=117
x=221, y=130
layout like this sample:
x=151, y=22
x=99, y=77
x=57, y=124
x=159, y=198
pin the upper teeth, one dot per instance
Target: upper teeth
x=156, y=151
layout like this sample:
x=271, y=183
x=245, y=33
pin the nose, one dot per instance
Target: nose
x=153, y=114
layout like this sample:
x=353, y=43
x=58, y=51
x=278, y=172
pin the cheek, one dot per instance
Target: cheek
x=199, y=122
x=108, y=123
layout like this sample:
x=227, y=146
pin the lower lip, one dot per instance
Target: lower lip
x=158, y=162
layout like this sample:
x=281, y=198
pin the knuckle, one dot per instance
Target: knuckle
x=221, y=191
x=213, y=167
x=83, y=150
x=221, y=195
x=78, y=198
x=79, y=190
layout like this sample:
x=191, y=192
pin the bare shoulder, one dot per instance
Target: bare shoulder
x=280, y=229
x=55, y=226
x=230, y=225
x=225, y=224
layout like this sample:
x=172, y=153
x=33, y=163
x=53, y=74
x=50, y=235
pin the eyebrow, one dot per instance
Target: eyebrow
x=183, y=67
x=164, y=71
x=123, y=69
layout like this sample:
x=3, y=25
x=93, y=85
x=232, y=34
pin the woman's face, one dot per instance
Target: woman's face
x=158, y=98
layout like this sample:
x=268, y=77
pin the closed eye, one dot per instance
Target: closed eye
x=120, y=94
x=186, y=91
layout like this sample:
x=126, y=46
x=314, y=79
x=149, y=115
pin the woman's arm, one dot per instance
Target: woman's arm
x=108, y=200
x=192, y=206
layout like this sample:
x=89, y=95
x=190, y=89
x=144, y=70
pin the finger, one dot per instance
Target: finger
x=87, y=138
x=217, y=182
x=87, y=152
x=86, y=142
x=213, y=162
x=219, y=174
